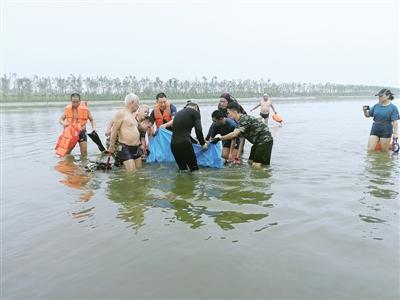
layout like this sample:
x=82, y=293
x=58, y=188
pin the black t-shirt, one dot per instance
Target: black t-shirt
x=184, y=121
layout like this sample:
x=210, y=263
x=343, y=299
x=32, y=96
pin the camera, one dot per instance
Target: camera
x=365, y=107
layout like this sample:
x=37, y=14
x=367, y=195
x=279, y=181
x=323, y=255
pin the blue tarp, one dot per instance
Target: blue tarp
x=160, y=151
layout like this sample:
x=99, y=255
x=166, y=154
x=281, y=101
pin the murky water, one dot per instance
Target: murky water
x=321, y=223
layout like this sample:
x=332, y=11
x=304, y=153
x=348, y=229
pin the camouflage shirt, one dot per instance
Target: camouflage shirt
x=255, y=131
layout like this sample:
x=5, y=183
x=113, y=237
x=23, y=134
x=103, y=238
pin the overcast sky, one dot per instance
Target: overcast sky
x=307, y=41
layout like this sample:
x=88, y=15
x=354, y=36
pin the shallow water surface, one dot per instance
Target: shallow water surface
x=322, y=222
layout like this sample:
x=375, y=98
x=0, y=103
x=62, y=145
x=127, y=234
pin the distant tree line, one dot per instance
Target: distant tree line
x=14, y=87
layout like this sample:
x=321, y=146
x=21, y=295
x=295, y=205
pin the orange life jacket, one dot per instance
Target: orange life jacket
x=160, y=117
x=67, y=140
x=277, y=118
x=81, y=117
x=70, y=136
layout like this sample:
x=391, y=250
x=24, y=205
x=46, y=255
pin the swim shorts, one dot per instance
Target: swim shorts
x=82, y=136
x=130, y=152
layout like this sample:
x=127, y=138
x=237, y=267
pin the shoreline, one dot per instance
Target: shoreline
x=97, y=103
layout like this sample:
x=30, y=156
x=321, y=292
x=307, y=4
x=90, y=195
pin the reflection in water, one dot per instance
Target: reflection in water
x=75, y=177
x=131, y=192
x=382, y=173
x=191, y=197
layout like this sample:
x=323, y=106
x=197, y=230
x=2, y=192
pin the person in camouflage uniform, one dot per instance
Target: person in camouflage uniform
x=255, y=131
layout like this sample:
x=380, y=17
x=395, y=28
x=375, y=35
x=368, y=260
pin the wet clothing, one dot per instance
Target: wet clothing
x=82, y=136
x=130, y=152
x=184, y=155
x=228, y=127
x=257, y=133
x=383, y=118
x=264, y=116
x=181, y=145
x=261, y=153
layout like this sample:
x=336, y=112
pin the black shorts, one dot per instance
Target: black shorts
x=130, y=152
x=264, y=116
x=261, y=153
x=82, y=136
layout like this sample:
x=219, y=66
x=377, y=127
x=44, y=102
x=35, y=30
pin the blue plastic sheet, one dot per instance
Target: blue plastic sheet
x=160, y=151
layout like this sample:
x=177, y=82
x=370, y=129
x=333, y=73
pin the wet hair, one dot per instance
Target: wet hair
x=234, y=106
x=161, y=95
x=150, y=119
x=228, y=97
x=75, y=95
x=189, y=103
x=217, y=114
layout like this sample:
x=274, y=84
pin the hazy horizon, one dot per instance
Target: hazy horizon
x=338, y=42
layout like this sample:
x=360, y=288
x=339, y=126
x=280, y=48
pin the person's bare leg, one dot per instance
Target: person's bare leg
x=225, y=153
x=385, y=143
x=372, y=141
x=83, y=147
x=129, y=165
x=138, y=163
x=257, y=165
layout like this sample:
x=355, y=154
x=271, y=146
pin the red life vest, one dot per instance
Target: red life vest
x=160, y=117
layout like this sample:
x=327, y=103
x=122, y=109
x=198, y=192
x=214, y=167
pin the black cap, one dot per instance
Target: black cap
x=384, y=92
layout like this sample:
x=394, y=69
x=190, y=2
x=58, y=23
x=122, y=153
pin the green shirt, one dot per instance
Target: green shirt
x=255, y=131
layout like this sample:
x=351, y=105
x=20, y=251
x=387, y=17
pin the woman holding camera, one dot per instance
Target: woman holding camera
x=386, y=116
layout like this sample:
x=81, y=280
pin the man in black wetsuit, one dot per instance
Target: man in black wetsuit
x=181, y=145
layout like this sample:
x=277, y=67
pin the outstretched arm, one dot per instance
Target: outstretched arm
x=255, y=107
x=229, y=136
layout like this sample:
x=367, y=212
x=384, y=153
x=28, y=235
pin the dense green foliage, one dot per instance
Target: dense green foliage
x=106, y=88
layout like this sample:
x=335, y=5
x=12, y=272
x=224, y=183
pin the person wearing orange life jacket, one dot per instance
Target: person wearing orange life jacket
x=163, y=112
x=77, y=115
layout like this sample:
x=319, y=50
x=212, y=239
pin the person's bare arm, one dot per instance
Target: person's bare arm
x=255, y=107
x=395, y=124
x=109, y=126
x=92, y=121
x=168, y=124
x=229, y=136
x=114, y=131
x=62, y=120
x=273, y=109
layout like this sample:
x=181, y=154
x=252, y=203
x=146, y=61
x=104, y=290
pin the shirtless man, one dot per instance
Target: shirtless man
x=265, y=105
x=125, y=126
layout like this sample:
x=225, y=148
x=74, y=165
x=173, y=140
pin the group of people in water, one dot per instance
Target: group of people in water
x=134, y=125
